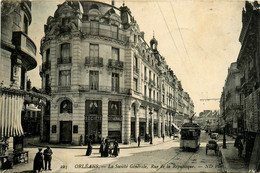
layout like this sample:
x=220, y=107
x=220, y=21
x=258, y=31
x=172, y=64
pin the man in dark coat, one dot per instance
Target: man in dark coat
x=47, y=157
x=163, y=137
x=38, y=161
x=240, y=148
x=139, y=141
x=89, y=150
x=106, y=148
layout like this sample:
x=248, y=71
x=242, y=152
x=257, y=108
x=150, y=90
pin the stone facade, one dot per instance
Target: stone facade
x=231, y=94
x=105, y=80
x=249, y=67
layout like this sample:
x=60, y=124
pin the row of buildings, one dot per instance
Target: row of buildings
x=104, y=79
x=240, y=99
x=99, y=79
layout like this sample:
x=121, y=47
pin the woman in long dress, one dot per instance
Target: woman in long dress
x=101, y=149
x=115, y=151
x=38, y=161
x=89, y=150
x=106, y=148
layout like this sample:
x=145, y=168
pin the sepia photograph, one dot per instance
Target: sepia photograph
x=130, y=86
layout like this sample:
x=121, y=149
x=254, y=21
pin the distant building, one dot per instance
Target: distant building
x=231, y=100
x=105, y=80
x=208, y=120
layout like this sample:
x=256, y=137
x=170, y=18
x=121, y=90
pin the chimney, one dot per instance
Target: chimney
x=113, y=3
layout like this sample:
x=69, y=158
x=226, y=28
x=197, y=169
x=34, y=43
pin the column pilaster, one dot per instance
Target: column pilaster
x=104, y=132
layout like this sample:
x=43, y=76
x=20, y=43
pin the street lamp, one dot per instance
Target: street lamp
x=151, y=137
x=224, y=116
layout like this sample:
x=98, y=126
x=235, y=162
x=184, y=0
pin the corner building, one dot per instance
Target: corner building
x=105, y=80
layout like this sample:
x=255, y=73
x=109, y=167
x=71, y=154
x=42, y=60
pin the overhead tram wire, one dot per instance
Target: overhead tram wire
x=171, y=36
x=179, y=31
x=167, y=27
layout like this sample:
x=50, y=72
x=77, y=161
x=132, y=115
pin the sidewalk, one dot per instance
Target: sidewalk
x=27, y=167
x=231, y=161
x=156, y=141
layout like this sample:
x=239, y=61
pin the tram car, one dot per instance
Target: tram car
x=190, y=136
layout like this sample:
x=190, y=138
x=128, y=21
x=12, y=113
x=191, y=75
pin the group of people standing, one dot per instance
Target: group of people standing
x=107, y=150
x=38, y=160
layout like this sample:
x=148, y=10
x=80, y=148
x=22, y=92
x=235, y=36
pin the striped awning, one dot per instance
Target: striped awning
x=10, y=114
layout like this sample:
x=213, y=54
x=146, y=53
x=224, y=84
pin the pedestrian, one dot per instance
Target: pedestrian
x=106, y=148
x=115, y=150
x=89, y=150
x=163, y=137
x=38, y=161
x=47, y=158
x=81, y=140
x=240, y=148
x=101, y=149
x=139, y=140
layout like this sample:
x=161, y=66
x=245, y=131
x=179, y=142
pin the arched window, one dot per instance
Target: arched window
x=66, y=106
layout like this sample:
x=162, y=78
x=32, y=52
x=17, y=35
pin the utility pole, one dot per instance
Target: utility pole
x=224, y=117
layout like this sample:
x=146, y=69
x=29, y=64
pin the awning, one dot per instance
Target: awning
x=10, y=114
x=176, y=127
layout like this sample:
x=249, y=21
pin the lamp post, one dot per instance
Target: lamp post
x=224, y=117
x=151, y=137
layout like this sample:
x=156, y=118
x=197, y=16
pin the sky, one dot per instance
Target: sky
x=198, y=38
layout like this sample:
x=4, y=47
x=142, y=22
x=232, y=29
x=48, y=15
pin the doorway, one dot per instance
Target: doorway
x=66, y=132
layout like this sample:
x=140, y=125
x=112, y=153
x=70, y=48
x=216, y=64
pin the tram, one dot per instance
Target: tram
x=190, y=136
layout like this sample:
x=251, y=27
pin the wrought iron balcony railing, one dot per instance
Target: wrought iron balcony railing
x=105, y=33
x=94, y=61
x=64, y=60
x=109, y=89
x=115, y=64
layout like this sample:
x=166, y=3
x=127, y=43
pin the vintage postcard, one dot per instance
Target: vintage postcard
x=130, y=86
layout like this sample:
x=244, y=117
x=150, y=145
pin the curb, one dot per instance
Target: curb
x=223, y=161
x=95, y=147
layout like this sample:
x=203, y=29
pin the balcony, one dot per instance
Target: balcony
x=64, y=60
x=105, y=33
x=94, y=61
x=115, y=64
x=26, y=48
x=105, y=89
